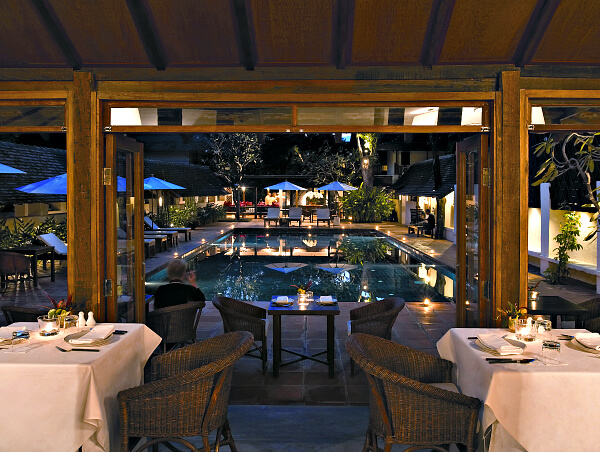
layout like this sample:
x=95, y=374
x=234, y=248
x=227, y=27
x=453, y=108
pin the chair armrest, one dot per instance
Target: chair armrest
x=593, y=325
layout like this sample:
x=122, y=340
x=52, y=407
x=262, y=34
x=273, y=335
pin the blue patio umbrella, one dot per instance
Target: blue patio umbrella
x=337, y=186
x=5, y=169
x=336, y=268
x=285, y=267
x=286, y=186
x=57, y=185
x=154, y=183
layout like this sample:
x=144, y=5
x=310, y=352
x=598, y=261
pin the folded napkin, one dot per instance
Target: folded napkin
x=589, y=340
x=98, y=333
x=282, y=299
x=7, y=331
x=495, y=342
x=326, y=299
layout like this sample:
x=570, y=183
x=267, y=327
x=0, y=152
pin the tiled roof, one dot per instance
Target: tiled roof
x=420, y=179
x=38, y=162
x=197, y=180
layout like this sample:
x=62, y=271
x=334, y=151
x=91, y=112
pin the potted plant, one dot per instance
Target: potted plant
x=510, y=315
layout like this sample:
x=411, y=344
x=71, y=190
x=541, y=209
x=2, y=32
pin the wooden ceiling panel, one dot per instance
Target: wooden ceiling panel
x=196, y=33
x=485, y=31
x=573, y=35
x=291, y=32
x=389, y=32
x=25, y=41
x=102, y=32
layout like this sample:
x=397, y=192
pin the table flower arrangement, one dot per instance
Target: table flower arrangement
x=302, y=288
x=511, y=313
x=61, y=310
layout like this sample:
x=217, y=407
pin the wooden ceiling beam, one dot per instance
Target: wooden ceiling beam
x=244, y=36
x=148, y=33
x=342, y=35
x=58, y=33
x=439, y=21
x=534, y=32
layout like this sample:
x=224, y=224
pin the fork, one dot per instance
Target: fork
x=77, y=349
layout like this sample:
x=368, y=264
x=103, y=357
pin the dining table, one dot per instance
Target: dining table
x=36, y=252
x=538, y=406
x=64, y=401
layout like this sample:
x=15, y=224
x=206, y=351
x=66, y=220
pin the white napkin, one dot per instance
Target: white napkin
x=98, y=333
x=326, y=299
x=589, y=340
x=282, y=299
x=7, y=331
x=495, y=342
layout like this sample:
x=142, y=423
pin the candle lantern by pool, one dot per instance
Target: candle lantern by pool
x=525, y=330
x=47, y=326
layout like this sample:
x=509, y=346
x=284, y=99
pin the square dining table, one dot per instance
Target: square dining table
x=60, y=401
x=555, y=306
x=531, y=407
x=330, y=311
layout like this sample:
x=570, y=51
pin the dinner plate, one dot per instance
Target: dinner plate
x=491, y=351
x=584, y=348
x=326, y=302
x=97, y=343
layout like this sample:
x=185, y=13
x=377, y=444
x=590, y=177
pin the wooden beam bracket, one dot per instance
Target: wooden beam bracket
x=534, y=32
x=246, y=43
x=439, y=21
x=148, y=33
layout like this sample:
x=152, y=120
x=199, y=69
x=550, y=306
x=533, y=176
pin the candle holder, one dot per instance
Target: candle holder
x=47, y=326
x=68, y=321
x=525, y=330
x=303, y=299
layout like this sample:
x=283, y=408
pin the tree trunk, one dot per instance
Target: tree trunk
x=237, y=204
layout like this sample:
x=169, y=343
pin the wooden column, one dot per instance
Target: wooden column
x=510, y=198
x=82, y=179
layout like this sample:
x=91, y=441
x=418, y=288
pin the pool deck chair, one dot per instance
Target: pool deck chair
x=323, y=216
x=60, y=247
x=272, y=215
x=187, y=232
x=295, y=215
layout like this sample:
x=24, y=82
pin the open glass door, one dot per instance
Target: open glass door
x=472, y=237
x=124, y=284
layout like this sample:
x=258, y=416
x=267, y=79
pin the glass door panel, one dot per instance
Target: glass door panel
x=124, y=231
x=473, y=233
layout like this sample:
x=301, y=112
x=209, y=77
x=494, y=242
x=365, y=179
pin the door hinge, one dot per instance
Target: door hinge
x=531, y=127
x=63, y=129
x=486, y=289
x=485, y=129
x=108, y=287
x=107, y=129
x=485, y=177
x=107, y=176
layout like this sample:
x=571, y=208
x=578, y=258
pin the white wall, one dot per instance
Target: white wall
x=535, y=229
x=588, y=254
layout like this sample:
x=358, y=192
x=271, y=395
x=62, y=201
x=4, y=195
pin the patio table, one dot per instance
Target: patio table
x=63, y=401
x=532, y=407
x=36, y=252
x=554, y=306
x=311, y=309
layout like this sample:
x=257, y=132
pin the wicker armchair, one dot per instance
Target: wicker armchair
x=591, y=321
x=14, y=314
x=188, y=395
x=176, y=324
x=240, y=316
x=375, y=318
x=13, y=265
x=405, y=408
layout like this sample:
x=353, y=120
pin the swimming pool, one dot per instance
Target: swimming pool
x=255, y=266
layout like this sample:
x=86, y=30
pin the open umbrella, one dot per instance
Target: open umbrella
x=154, y=183
x=57, y=185
x=336, y=268
x=288, y=186
x=5, y=169
x=337, y=186
x=285, y=267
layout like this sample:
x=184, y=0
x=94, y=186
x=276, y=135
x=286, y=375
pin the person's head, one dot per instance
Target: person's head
x=176, y=270
x=427, y=211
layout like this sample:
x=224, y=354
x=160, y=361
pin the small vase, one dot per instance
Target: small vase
x=301, y=291
x=512, y=321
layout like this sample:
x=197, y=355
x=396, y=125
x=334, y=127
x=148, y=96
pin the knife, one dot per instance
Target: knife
x=508, y=360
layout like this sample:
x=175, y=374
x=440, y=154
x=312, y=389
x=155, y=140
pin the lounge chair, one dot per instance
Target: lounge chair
x=60, y=247
x=295, y=215
x=187, y=232
x=273, y=214
x=323, y=216
x=172, y=236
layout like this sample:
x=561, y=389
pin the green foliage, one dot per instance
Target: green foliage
x=25, y=232
x=367, y=204
x=358, y=250
x=567, y=241
x=210, y=214
x=183, y=217
x=191, y=216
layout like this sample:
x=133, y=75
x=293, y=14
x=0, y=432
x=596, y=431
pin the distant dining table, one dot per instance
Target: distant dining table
x=62, y=401
x=555, y=306
x=36, y=252
x=532, y=407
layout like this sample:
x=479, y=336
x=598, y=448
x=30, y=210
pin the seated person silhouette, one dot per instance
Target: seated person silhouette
x=180, y=289
x=429, y=223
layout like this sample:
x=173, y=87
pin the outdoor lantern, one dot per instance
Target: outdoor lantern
x=160, y=201
x=426, y=302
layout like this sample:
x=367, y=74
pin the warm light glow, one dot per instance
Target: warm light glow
x=222, y=231
x=175, y=254
x=243, y=188
x=364, y=287
x=267, y=235
x=160, y=201
x=350, y=218
x=388, y=232
x=366, y=161
x=426, y=301
x=377, y=228
x=467, y=302
x=203, y=240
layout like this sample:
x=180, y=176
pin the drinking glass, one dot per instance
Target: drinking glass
x=551, y=351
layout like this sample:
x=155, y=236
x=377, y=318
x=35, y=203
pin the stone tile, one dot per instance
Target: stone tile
x=325, y=394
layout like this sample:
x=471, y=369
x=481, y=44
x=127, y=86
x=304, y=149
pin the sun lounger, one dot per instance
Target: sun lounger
x=323, y=216
x=187, y=232
x=273, y=214
x=60, y=247
x=172, y=236
x=295, y=215
x=161, y=241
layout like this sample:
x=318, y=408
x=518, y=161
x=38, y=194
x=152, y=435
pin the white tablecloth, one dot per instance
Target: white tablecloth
x=60, y=401
x=544, y=408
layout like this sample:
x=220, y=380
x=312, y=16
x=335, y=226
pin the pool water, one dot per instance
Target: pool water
x=254, y=267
